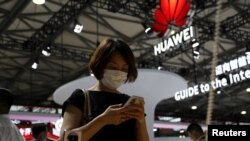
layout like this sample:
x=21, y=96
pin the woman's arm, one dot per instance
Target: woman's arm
x=72, y=120
x=142, y=133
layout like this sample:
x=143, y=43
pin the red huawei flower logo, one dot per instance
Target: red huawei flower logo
x=170, y=11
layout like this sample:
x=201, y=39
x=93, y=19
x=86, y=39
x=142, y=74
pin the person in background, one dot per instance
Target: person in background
x=113, y=64
x=195, y=132
x=39, y=132
x=8, y=130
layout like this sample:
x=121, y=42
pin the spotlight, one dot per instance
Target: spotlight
x=78, y=27
x=172, y=32
x=243, y=112
x=160, y=68
x=194, y=107
x=195, y=43
x=38, y=2
x=195, y=47
x=35, y=64
x=46, y=51
x=91, y=74
x=147, y=29
x=248, y=90
x=196, y=54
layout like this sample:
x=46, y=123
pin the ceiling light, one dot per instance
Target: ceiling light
x=92, y=74
x=147, y=29
x=78, y=28
x=243, y=112
x=194, y=107
x=196, y=54
x=172, y=32
x=195, y=43
x=38, y=2
x=46, y=51
x=248, y=90
x=160, y=68
x=35, y=64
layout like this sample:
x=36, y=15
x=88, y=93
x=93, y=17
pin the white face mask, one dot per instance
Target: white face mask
x=114, y=78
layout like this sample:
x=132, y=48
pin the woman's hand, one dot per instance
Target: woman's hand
x=135, y=112
x=114, y=114
x=117, y=114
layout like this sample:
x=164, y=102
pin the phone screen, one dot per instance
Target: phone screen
x=133, y=100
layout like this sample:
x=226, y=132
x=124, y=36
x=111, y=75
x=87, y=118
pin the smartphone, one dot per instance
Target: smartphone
x=133, y=100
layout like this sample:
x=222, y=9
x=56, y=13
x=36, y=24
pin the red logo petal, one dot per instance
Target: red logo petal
x=160, y=18
x=170, y=11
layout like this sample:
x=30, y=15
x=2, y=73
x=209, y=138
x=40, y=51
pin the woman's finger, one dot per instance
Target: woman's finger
x=116, y=106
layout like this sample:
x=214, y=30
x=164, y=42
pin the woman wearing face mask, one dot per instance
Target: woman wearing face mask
x=113, y=64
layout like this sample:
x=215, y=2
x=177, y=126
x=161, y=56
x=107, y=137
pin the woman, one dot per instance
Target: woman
x=113, y=64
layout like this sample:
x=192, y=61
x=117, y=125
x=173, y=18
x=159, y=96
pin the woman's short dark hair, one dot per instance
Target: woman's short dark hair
x=100, y=58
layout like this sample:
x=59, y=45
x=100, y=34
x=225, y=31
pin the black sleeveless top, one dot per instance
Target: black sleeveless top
x=99, y=103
